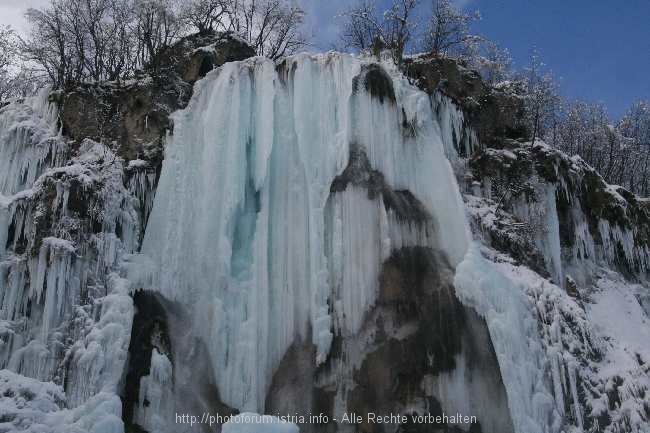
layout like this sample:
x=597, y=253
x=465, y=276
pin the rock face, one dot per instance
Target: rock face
x=494, y=113
x=132, y=117
x=319, y=236
x=196, y=55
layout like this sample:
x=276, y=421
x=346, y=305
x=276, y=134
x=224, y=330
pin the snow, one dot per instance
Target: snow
x=617, y=314
x=30, y=406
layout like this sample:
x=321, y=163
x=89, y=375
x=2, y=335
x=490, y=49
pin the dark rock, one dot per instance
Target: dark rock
x=196, y=55
x=132, y=117
x=417, y=329
x=376, y=82
x=415, y=289
x=493, y=112
x=360, y=173
x=149, y=331
x=571, y=288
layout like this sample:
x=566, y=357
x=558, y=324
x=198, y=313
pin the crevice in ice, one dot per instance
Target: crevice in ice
x=245, y=219
x=149, y=351
x=376, y=82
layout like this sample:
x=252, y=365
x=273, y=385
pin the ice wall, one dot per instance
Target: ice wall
x=66, y=217
x=245, y=230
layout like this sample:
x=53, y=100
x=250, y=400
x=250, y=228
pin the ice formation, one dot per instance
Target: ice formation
x=245, y=230
x=512, y=325
x=64, y=316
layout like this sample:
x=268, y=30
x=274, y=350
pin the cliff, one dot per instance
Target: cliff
x=324, y=235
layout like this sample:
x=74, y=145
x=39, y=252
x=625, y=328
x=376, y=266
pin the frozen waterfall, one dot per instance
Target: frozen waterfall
x=246, y=231
x=286, y=191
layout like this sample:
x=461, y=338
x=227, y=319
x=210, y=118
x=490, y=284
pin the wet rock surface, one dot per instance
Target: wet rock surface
x=412, y=343
x=360, y=173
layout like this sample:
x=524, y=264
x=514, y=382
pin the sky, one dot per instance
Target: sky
x=599, y=49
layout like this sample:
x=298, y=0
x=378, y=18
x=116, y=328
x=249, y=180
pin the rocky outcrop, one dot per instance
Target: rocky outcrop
x=359, y=173
x=596, y=221
x=493, y=112
x=196, y=55
x=132, y=117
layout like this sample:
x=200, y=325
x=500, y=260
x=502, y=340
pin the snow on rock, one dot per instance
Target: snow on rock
x=97, y=361
x=617, y=315
x=30, y=406
x=29, y=142
x=593, y=337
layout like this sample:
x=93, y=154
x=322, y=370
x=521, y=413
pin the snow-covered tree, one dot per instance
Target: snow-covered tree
x=448, y=31
x=363, y=25
x=491, y=61
x=541, y=100
x=7, y=59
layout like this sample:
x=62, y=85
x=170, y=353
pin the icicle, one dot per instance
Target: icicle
x=28, y=142
x=156, y=389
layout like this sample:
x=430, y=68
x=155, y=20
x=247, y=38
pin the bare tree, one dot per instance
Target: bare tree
x=395, y=26
x=361, y=26
x=48, y=46
x=157, y=25
x=272, y=27
x=206, y=15
x=92, y=40
x=7, y=60
x=399, y=26
x=541, y=100
x=448, y=29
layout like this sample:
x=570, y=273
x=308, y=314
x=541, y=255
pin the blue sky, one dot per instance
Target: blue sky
x=600, y=49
